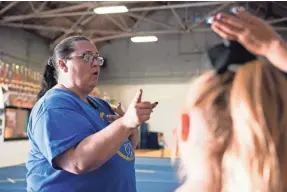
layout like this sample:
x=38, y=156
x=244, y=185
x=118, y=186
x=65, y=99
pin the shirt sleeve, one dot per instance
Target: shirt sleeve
x=58, y=130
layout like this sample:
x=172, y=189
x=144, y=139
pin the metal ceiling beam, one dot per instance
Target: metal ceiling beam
x=88, y=33
x=88, y=19
x=178, y=18
x=42, y=6
x=67, y=33
x=9, y=6
x=142, y=16
x=72, y=8
x=32, y=6
x=176, y=6
x=116, y=23
x=48, y=14
x=221, y=7
x=131, y=34
x=123, y=21
x=280, y=28
x=58, y=29
x=104, y=3
x=274, y=21
x=36, y=27
x=102, y=31
x=40, y=15
x=150, y=20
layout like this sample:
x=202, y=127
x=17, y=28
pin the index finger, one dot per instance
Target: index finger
x=138, y=97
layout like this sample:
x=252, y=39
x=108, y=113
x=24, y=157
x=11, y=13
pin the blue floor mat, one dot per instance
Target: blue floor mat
x=152, y=175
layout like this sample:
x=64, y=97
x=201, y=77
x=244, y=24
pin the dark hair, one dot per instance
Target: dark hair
x=61, y=51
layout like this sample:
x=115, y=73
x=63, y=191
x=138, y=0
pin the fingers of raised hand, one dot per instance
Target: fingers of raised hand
x=119, y=106
x=233, y=21
x=112, y=118
x=119, y=111
x=144, y=105
x=144, y=118
x=154, y=104
x=223, y=33
x=144, y=112
x=229, y=27
x=246, y=16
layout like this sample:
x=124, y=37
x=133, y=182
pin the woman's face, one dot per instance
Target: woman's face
x=80, y=72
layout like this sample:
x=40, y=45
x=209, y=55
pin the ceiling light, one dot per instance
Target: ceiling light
x=111, y=9
x=144, y=39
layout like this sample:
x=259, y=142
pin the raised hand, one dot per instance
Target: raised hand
x=138, y=112
x=253, y=33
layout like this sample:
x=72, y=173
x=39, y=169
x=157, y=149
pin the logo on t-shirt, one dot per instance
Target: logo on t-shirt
x=102, y=114
x=126, y=151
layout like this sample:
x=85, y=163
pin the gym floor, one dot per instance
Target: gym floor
x=153, y=174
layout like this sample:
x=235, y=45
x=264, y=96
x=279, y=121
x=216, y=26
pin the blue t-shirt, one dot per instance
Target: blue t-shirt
x=59, y=121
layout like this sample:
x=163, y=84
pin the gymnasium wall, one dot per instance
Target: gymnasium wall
x=27, y=49
x=22, y=47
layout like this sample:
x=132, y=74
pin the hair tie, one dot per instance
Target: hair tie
x=50, y=62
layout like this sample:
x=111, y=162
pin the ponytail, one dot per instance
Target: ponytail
x=49, y=78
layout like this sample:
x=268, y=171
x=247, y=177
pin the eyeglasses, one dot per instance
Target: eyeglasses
x=90, y=59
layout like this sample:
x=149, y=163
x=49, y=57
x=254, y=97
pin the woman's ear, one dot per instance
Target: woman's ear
x=62, y=65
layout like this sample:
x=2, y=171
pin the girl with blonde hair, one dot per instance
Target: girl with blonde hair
x=232, y=132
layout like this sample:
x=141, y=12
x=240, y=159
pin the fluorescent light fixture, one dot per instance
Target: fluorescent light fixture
x=144, y=39
x=111, y=9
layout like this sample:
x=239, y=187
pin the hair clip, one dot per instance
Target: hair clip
x=228, y=53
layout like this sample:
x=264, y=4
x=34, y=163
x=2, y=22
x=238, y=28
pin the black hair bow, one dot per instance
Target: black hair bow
x=227, y=53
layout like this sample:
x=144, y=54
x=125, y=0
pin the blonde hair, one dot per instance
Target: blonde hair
x=257, y=151
x=208, y=96
x=241, y=134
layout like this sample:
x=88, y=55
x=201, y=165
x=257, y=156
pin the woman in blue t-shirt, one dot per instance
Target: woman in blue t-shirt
x=74, y=147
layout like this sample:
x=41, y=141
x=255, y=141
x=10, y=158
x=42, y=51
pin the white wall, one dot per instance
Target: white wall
x=26, y=49
x=174, y=57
